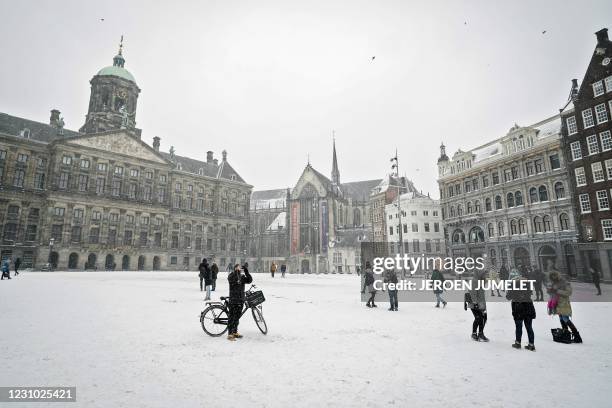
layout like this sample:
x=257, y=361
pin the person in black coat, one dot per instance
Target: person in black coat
x=18, y=264
x=538, y=277
x=523, y=312
x=206, y=276
x=237, y=279
x=594, y=275
x=214, y=269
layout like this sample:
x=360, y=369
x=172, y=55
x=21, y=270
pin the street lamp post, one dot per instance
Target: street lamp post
x=51, y=243
x=395, y=169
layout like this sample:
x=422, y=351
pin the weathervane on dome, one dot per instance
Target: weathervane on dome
x=121, y=45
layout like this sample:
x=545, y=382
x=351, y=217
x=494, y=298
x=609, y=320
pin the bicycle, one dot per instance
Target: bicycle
x=214, y=317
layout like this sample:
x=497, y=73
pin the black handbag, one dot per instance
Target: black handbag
x=561, y=336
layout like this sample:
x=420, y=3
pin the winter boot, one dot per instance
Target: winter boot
x=368, y=304
x=482, y=337
x=238, y=335
x=373, y=305
x=231, y=337
x=517, y=345
x=391, y=309
x=474, y=336
x=438, y=305
x=530, y=347
x=576, y=337
x=444, y=304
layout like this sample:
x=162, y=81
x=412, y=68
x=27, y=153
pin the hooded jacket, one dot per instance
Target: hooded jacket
x=237, y=280
x=205, y=272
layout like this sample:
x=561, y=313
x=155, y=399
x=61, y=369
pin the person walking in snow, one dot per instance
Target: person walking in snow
x=6, y=270
x=391, y=277
x=538, y=277
x=561, y=290
x=283, y=270
x=503, y=273
x=594, y=275
x=272, y=268
x=237, y=279
x=206, y=275
x=214, y=270
x=18, y=264
x=437, y=276
x=494, y=278
x=476, y=301
x=523, y=313
x=368, y=285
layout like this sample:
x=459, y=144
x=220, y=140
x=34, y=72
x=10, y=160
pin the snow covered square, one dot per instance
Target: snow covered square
x=133, y=339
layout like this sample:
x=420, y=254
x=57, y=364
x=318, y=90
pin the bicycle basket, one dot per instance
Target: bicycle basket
x=255, y=298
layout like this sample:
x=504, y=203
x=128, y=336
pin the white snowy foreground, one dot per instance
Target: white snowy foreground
x=133, y=339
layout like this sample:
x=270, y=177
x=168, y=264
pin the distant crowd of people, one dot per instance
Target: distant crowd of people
x=523, y=311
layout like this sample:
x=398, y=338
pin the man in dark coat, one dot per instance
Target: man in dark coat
x=215, y=271
x=237, y=279
x=206, y=275
x=523, y=312
x=437, y=276
x=391, y=277
x=594, y=275
x=18, y=264
x=538, y=277
x=283, y=270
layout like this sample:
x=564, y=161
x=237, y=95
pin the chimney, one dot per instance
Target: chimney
x=209, y=157
x=602, y=36
x=224, y=153
x=156, y=143
x=216, y=162
x=574, y=91
x=55, y=116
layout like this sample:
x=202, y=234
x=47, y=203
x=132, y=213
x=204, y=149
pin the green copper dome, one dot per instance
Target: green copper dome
x=117, y=71
x=117, y=68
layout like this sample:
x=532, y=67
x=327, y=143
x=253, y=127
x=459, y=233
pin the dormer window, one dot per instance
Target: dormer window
x=25, y=133
x=200, y=171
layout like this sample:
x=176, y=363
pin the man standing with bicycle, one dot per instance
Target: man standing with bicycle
x=237, y=279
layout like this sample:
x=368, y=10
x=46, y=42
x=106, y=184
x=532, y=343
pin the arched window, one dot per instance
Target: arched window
x=518, y=198
x=537, y=224
x=559, y=190
x=459, y=210
x=458, y=237
x=547, y=223
x=533, y=195
x=564, y=222
x=490, y=229
x=488, y=204
x=543, y=193
x=522, y=226
x=469, y=207
x=510, y=200
x=476, y=235
x=477, y=206
x=513, y=227
x=500, y=229
x=498, y=202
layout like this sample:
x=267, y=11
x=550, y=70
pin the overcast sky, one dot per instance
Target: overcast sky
x=269, y=80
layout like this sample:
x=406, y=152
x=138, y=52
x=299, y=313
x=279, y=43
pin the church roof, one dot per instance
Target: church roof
x=360, y=190
x=276, y=198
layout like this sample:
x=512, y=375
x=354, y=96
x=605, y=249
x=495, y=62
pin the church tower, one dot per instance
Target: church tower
x=112, y=103
x=335, y=175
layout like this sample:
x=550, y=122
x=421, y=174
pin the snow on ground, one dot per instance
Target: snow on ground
x=133, y=339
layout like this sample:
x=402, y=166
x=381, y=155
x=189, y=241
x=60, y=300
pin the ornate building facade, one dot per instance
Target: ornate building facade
x=102, y=198
x=587, y=138
x=510, y=200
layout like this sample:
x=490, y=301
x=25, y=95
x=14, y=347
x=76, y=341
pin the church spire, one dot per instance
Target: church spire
x=335, y=172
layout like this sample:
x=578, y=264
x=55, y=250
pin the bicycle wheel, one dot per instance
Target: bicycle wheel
x=259, y=320
x=214, y=320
